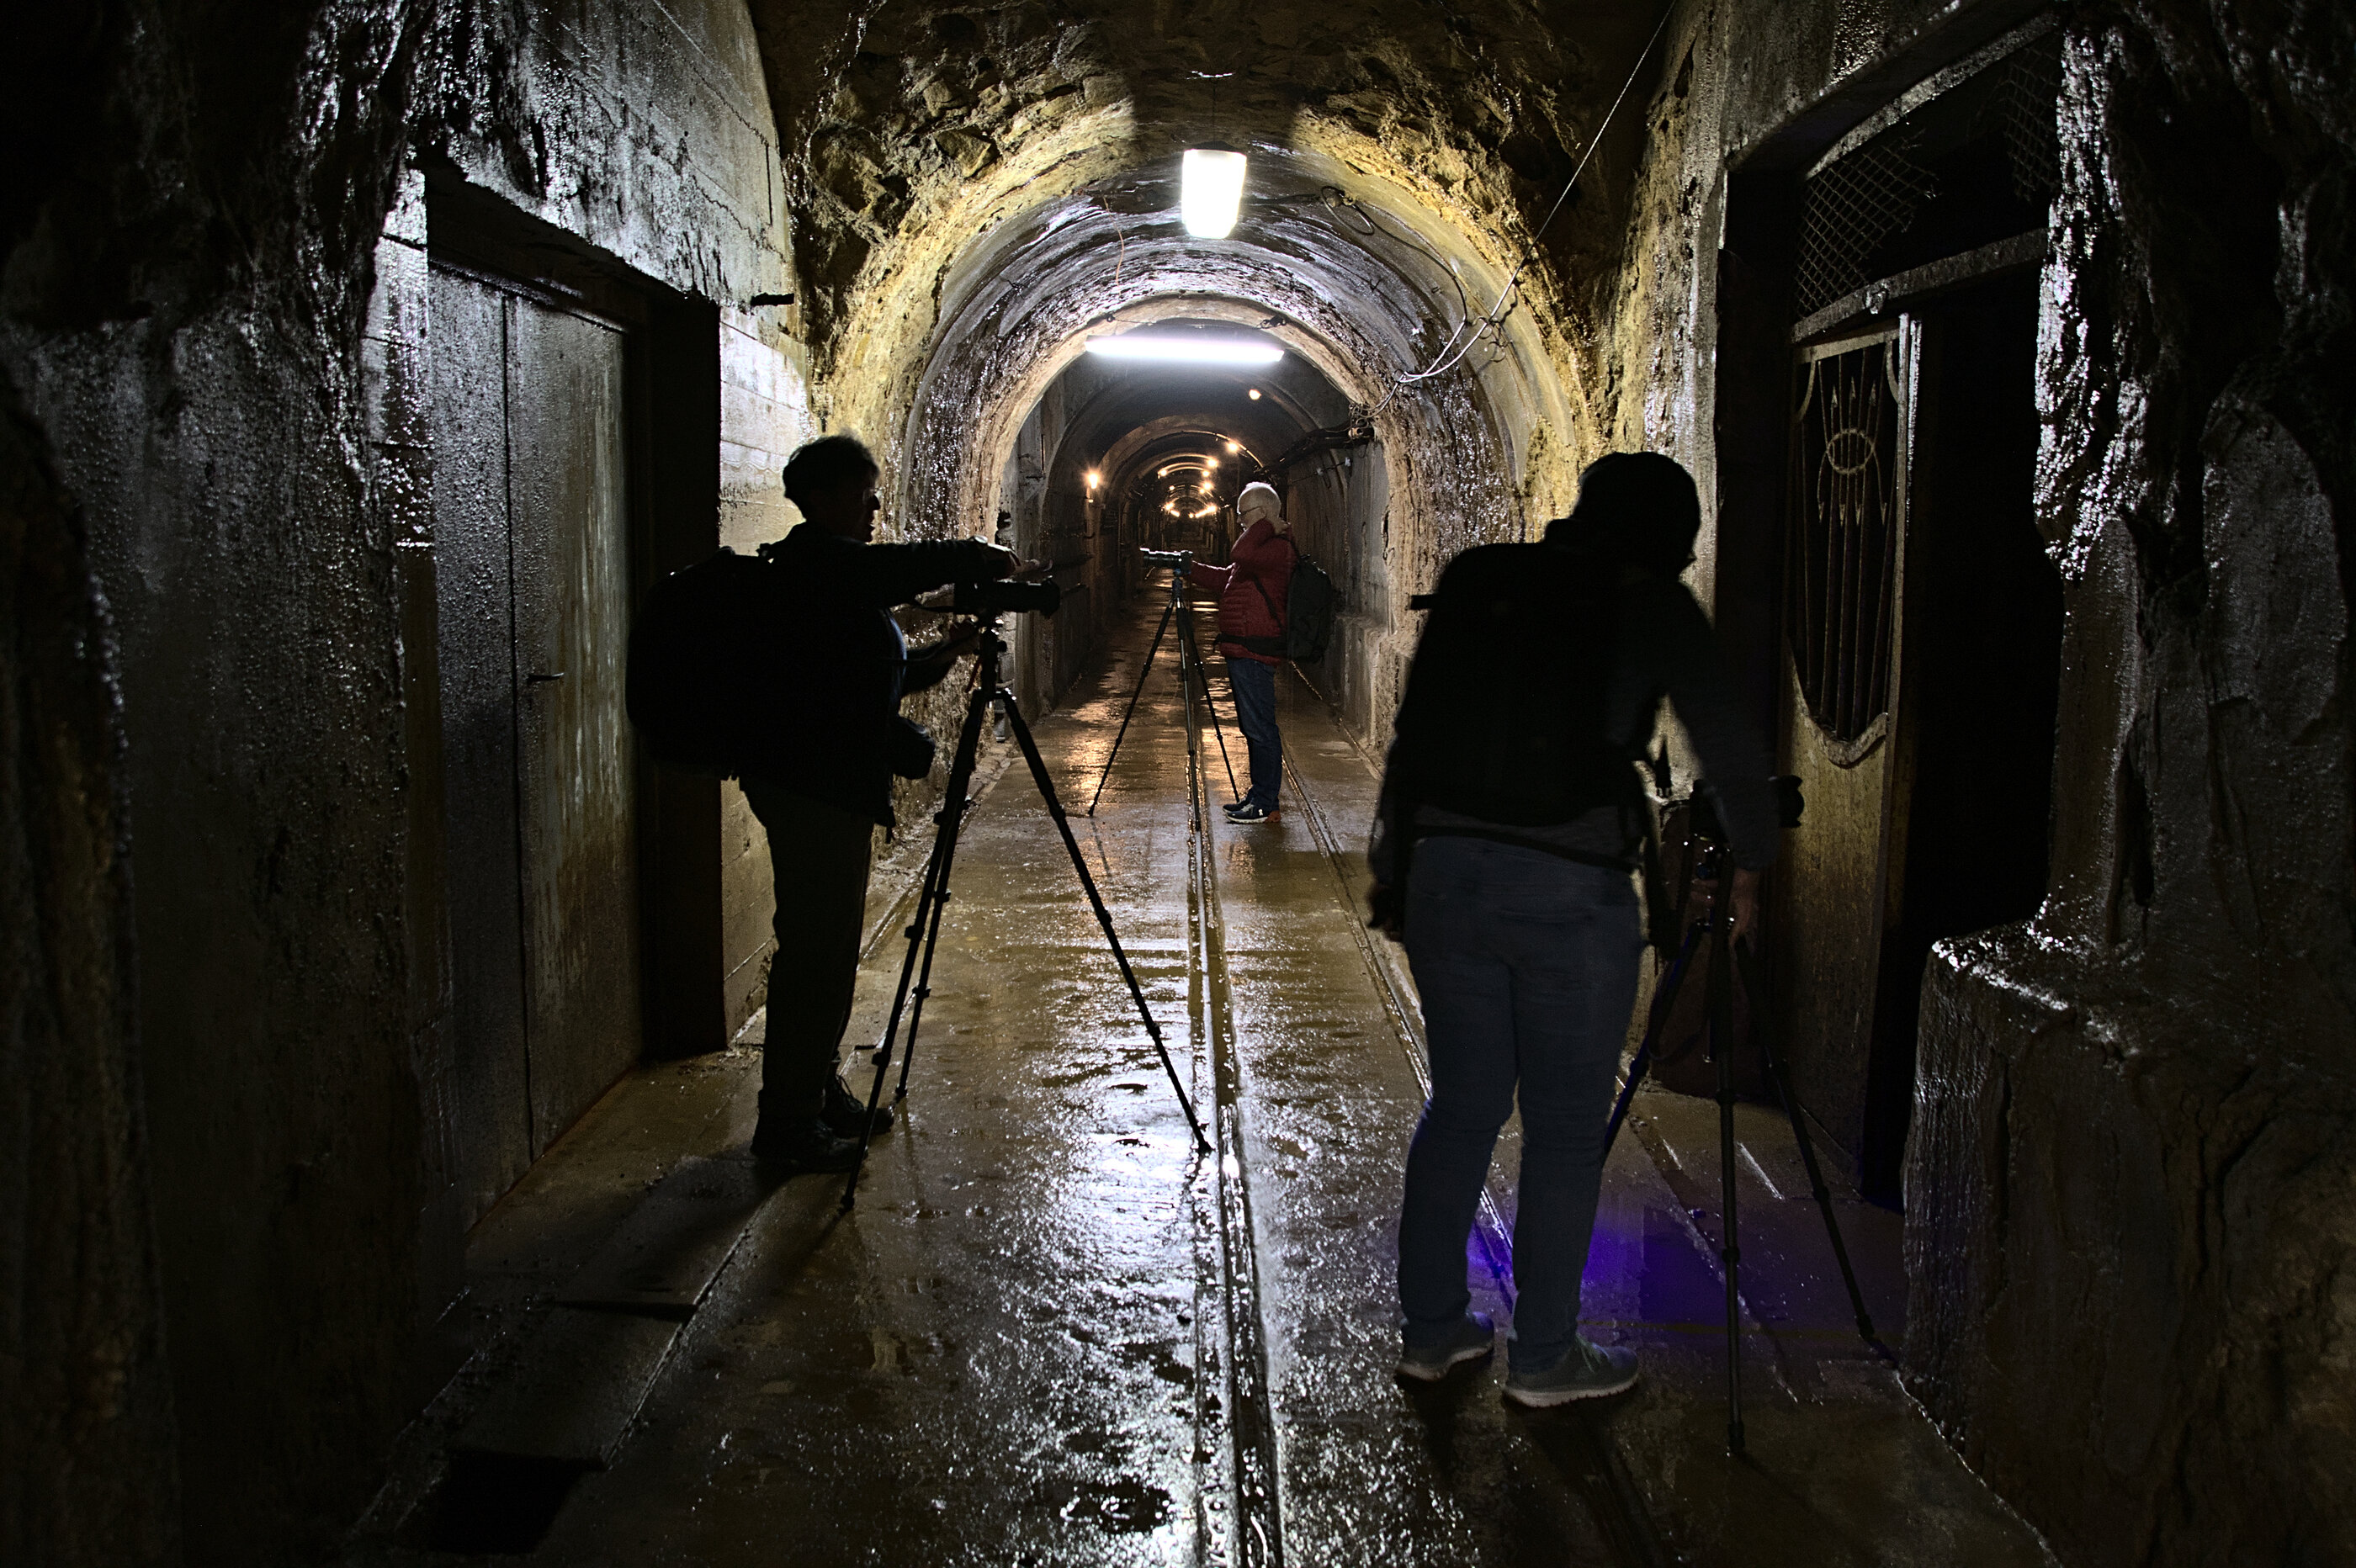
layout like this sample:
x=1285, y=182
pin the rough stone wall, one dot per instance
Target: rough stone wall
x=2132, y=1244
x=189, y=320
x=185, y=282
x=88, y=1472
x=2128, y=1236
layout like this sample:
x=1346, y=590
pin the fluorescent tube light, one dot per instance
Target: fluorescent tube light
x=1210, y=191
x=1188, y=349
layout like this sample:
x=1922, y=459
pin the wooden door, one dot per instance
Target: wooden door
x=577, y=784
x=531, y=541
x=1923, y=626
x=1836, y=885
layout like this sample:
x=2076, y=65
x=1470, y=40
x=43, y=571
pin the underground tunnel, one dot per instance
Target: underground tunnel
x=383, y=1026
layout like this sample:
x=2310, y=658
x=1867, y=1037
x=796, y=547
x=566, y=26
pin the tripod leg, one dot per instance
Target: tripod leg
x=1096, y=901
x=915, y=934
x=1190, y=649
x=1142, y=671
x=1721, y=1032
x=950, y=817
x=1783, y=1080
x=1664, y=999
x=960, y=780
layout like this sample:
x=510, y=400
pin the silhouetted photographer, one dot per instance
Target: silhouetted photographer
x=1512, y=819
x=786, y=671
x=821, y=802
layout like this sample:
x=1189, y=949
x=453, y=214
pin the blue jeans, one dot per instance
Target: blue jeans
x=1527, y=967
x=1254, y=685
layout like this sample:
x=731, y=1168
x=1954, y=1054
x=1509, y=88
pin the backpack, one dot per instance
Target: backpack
x=710, y=651
x=1308, y=618
x=1504, y=714
x=729, y=675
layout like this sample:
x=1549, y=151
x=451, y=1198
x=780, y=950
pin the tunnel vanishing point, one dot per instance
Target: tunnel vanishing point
x=363, y=361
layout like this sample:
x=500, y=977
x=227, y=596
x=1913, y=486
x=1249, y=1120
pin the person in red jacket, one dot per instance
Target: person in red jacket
x=1251, y=589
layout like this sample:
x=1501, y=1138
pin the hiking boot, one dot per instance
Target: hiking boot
x=844, y=1111
x=1474, y=1337
x=798, y=1151
x=1247, y=813
x=1587, y=1371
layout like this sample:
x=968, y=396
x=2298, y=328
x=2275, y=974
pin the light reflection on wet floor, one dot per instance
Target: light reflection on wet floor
x=1016, y=1348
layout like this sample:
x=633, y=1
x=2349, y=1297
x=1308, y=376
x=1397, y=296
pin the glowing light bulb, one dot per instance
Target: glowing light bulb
x=1232, y=448
x=1092, y=478
x=1210, y=191
x=1255, y=394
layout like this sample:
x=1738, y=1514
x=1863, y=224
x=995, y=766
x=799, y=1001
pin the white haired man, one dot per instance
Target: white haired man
x=1251, y=589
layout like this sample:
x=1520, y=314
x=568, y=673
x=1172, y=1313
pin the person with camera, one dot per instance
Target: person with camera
x=1251, y=589
x=1510, y=822
x=821, y=797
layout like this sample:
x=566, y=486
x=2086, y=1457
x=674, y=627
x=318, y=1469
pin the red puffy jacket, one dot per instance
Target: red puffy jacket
x=1251, y=589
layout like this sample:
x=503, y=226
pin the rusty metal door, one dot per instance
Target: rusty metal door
x=532, y=569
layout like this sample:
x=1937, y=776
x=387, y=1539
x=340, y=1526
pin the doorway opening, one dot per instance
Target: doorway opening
x=1879, y=316
x=579, y=887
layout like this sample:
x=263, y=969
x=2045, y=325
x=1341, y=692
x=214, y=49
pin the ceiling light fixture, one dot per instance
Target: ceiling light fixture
x=1192, y=350
x=1255, y=394
x=1210, y=190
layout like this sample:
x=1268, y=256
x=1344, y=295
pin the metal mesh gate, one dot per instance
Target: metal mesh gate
x=1850, y=208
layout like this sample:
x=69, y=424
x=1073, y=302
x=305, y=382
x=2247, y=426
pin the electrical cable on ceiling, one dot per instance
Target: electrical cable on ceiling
x=1452, y=352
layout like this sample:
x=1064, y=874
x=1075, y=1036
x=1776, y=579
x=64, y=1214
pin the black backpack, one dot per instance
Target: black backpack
x=1504, y=714
x=1308, y=618
x=710, y=652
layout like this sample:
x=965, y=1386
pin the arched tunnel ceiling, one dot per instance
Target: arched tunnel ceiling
x=976, y=190
x=1141, y=408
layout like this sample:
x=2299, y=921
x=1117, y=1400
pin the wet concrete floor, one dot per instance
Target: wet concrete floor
x=1052, y=1332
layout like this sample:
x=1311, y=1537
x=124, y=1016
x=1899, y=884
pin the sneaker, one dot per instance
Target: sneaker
x=1475, y=1337
x=796, y=1151
x=1248, y=812
x=1587, y=1371
x=844, y=1111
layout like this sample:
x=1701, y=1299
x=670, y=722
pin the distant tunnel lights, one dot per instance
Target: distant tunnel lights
x=1210, y=191
x=1171, y=348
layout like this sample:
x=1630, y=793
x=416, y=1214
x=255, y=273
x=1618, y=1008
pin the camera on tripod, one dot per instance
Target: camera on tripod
x=992, y=598
x=1179, y=559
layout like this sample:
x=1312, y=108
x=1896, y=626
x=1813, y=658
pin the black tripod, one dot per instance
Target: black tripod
x=1716, y=924
x=924, y=929
x=1189, y=661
